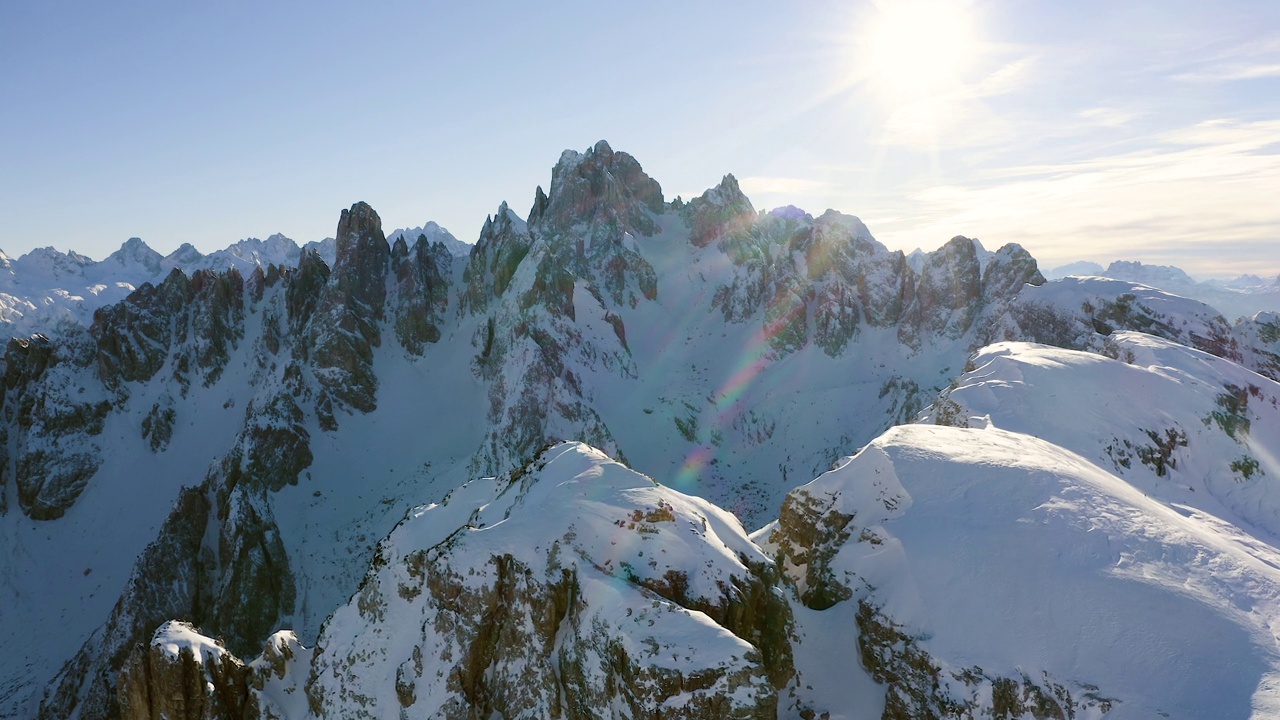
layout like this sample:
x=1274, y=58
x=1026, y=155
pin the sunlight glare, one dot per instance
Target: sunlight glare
x=913, y=49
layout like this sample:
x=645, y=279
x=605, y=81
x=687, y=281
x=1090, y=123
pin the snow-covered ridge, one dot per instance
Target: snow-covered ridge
x=1189, y=428
x=613, y=590
x=976, y=562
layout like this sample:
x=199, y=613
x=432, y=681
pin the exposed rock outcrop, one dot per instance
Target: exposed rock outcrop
x=218, y=562
x=182, y=674
x=948, y=295
x=421, y=292
x=722, y=211
x=1259, y=340
x=49, y=424
x=606, y=193
x=504, y=242
x=346, y=324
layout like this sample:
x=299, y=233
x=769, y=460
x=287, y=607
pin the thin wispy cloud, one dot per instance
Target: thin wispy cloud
x=787, y=186
x=1231, y=72
x=1010, y=77
x=1245, y=61
x=1108, y=117
x=1206, y=185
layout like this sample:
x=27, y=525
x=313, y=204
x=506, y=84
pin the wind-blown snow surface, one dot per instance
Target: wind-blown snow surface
x=1182, y=425
x=1000, y=551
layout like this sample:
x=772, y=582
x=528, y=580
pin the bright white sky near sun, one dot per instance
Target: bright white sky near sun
x=1095, y=129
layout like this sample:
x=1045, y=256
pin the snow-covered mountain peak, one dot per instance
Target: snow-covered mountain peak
x=720, y=211
x=915, y=259
x=953, y=550
x=1211, y=440
x=186, y=255
x=1155, y=275
x=984, y=255
x=134, y=256
x=1249, y=284
x=790, y=212
x=47, y=264
x=434, y=234
x=175, y=637
x=599, y=496
x=246, y=254
x=326, y=249
x=851, y=224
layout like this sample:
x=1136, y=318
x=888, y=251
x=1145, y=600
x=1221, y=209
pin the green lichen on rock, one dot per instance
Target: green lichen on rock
x=1159, y=454
x=1247, y=467
x=1232, y=414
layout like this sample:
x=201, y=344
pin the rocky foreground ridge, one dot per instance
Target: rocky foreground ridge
x=261, y=431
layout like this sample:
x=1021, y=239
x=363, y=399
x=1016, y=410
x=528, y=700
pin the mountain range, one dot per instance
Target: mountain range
x=626, y=457
x=46, y=286
x=1240, y=297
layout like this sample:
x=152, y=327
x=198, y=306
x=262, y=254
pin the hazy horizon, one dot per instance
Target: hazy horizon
x=1148, y=131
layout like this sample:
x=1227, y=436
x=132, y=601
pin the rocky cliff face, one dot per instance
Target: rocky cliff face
x=721, y=212
x=504, y=242
x=821, y=280
x=1259, y=341
x=218, y=562
x=420, y=294
x=346, y=327
x=49, y=446
x=580, y=263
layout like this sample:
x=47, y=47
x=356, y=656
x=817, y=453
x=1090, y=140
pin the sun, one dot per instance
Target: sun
x=910, y=50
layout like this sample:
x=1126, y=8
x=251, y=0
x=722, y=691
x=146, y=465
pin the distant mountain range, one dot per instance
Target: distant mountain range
x=46, y=286
x=1237, y=298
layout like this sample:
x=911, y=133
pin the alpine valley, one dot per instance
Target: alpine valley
x=636, y=458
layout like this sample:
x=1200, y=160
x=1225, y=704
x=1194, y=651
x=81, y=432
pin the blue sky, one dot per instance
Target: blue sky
x=1087, y=130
